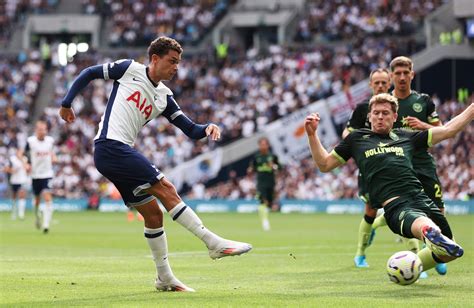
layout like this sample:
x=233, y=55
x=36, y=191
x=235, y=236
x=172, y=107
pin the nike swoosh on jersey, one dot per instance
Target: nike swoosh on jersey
x=135, y=79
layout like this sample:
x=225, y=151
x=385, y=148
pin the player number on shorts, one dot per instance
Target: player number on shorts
x=438, y=193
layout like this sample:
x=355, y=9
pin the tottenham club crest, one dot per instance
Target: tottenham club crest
x=417, y=107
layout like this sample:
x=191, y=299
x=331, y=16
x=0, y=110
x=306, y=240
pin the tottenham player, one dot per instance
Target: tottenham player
x=137, y=97
x=17, y=169
x=384, y=157
x=40, y=151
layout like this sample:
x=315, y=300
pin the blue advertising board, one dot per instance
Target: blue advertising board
x=343, y=206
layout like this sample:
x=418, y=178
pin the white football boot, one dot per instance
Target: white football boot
x=228, y=248
x=172, y=285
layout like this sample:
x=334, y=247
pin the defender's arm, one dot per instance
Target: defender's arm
x=453, y=127
x=325, y=161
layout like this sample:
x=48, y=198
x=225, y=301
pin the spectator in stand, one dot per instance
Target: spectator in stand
x=13, y=12
x=138, y=22
x=341, y=20
x=19, y=81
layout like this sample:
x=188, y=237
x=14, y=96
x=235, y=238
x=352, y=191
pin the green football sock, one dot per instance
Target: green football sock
x=263, y=211
x=426, y=257
x=412, y=244
x=379, y=222
x=364, y=234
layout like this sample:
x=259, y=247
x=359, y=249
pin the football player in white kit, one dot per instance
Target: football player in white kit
x=137, y=97
x=18, y=168
x=40, y=150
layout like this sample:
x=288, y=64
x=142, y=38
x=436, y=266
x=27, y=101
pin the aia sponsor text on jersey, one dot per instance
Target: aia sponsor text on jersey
x=145, y=109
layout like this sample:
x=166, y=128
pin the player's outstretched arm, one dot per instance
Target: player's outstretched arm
x=196, y=131
x=453, y=127
x=85, y=77
x=176, y=116
x=321, y=157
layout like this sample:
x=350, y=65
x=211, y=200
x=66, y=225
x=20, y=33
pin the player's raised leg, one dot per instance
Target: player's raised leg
x=440, y=248
x=420, y=218
x=184, y=215
x=156, y=237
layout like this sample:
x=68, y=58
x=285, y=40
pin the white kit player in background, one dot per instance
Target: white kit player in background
x=138, y=96
x=18, y=168
x=40, y=151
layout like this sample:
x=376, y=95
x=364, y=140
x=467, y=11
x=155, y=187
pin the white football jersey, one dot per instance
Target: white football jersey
x=19, y=174
x=41, y=159
x=133, y=102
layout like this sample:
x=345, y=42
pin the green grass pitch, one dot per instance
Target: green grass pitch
x=100, y=259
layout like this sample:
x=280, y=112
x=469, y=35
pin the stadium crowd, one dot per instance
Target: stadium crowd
x=77, y=177
x=135, y=23
x=242, y=94
x=19, y=84
x=340, y=20
x=14, y=12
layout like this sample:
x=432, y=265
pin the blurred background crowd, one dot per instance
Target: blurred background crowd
x=242, y=92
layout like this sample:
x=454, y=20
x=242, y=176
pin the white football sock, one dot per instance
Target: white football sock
x=263, y=212
x=185, y=216
x=47, y=214
x=156, y=239
x=266, y=225
x=21, y=208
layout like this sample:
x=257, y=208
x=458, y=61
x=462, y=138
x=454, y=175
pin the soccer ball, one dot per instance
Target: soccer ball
x=404, y=267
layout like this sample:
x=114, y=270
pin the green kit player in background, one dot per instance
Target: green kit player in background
x=416, y=112
x=384, y=157
x=265, y=164
x=379, y=82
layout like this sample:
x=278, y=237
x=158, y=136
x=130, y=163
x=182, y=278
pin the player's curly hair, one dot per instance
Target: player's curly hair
x=401, y=61
x=384, y=98
x=162, y=45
